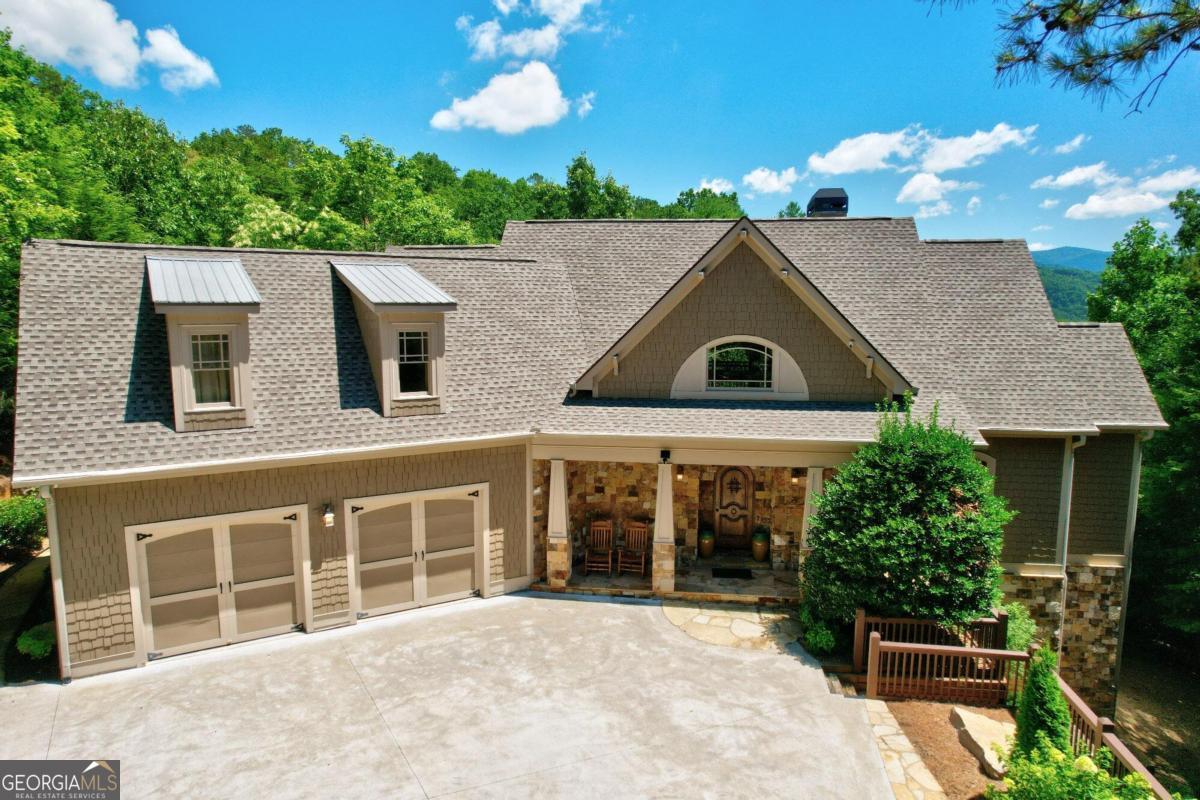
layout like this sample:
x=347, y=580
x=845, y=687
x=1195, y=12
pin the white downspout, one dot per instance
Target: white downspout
x=1064, y=528
x=60, y=601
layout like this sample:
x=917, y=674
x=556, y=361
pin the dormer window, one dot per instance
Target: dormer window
x=740, y=365
x=207, y=303
x=413, y=366
x=401, y=314
x=212, y=371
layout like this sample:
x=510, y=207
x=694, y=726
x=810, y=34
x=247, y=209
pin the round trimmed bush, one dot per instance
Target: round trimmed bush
x=908, y=527
x=22, y=525
x=38, y=641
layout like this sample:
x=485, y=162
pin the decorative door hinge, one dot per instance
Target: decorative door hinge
x=355, y=509
x=291, y=516
x=142, y=536
x=473, y=494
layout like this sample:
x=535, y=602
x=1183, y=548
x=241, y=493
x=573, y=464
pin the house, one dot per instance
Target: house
x=236, y=443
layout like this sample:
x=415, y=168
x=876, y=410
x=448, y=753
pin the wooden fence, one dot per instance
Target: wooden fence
x=986, y=676
x=987, y=632
x=982, y=676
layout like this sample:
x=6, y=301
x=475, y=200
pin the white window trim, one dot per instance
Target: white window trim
x=391, y=331
x=787, y=381
x=180, y=332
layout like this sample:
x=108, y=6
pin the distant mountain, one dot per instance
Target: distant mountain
x=1077, y=257
x=1068, y=288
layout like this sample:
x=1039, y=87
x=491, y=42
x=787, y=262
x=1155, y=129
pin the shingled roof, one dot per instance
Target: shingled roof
x=967, y=322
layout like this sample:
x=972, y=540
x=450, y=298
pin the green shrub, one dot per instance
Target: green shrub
x=22, y=525
x=38, y=641
x=1048, y=773
x=1043, y=713
x=819, y=639
x=908, y=527
x=1021, y=627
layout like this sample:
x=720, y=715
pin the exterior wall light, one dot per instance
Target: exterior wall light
x=327, y=515
x=679, y=472
x=665, y=455
x=795, y=475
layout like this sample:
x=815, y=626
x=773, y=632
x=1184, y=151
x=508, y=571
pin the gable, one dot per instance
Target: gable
x=740, y=296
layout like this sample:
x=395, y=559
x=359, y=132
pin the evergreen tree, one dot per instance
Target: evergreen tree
x=1043, y=709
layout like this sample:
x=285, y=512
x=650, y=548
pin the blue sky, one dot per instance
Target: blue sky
x=893, y=102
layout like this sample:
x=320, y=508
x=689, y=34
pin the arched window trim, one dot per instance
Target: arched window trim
x=787, y=381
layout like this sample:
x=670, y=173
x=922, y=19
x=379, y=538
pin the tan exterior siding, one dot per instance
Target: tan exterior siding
x=92, y=521
x=1100, y=501
x=741, y=296
x=368, y=327
x=1029, y=475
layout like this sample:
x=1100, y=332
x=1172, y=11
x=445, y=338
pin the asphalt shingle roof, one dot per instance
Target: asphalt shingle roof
x=967, y=322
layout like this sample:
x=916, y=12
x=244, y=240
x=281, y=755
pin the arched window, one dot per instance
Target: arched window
x=740, y=365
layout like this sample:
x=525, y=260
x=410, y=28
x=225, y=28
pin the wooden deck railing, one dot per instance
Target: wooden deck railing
x=983, y=676
x=987, y=632
x=986, y=676
x=1090, y=732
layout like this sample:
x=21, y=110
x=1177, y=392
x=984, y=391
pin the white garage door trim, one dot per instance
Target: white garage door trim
x=139, y=592
x=353, y=507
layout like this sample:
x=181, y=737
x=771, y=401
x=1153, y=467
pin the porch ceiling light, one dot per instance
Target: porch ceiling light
x=327, y=515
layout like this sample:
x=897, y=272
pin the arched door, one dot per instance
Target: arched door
x=735, y=508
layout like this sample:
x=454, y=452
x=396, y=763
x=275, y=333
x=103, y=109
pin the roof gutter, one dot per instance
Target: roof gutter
x=60, y=479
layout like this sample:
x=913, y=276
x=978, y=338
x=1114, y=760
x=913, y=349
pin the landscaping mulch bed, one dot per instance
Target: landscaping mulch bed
x=935, y=738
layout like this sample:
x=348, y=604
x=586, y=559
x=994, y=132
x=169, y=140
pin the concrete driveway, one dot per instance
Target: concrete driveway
x=521, y=696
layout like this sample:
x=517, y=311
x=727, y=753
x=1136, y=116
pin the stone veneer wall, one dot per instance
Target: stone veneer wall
x=619, y=491
x=1090, y=621
x=92, y=520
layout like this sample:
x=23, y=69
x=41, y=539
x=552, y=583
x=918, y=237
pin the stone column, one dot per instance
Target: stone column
x=558, y=540
x=662, y=570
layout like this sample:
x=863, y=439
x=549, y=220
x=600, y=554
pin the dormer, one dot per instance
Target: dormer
x=401, y=314
x=207, y=303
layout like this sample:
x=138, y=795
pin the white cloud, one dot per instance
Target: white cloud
x=488, y=40
x=564, y=13
x=1171, y=181
x=957, y=152
x=181, y=68
x=1039, y=228
x=939, y=209
x=1035, y=246
x=1049, y=202
x=925, y=187
x=506, y=7
x=718, y=185
x=1096, y=174
x=585, y=104
x=1071, y=145
x=512, y=102
x=1120, y=201
x=88, y=35
x=973, y=205
x=768, y=181
x=867, y=152
x=1160, y=225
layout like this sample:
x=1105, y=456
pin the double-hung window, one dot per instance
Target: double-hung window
x=413, y=364
x=212, y=369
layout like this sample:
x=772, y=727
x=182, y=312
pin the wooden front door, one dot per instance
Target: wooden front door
x=735, y=508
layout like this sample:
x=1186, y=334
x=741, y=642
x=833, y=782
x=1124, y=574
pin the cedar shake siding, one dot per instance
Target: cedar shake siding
x=741, y=296
x=92, y=520
x=1100, y=500
x=1029, y=475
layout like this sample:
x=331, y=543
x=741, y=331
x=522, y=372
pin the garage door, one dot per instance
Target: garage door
x=212, y=581
x=416, y=549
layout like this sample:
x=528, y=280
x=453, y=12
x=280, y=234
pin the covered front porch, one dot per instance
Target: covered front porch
x=724, y=526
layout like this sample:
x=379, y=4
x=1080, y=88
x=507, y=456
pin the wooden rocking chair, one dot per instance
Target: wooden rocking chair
x=634, y=552
x=599, y=551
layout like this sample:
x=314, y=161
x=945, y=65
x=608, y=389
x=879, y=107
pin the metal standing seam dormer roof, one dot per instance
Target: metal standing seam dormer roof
x=200, y=282
x=396, y=287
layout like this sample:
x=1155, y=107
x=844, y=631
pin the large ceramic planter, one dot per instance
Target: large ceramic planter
x=760, y=546
x=708, y=544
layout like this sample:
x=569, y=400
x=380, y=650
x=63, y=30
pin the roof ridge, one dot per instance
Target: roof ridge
x=676, y=220
x=969, y=241
x=267, y=250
